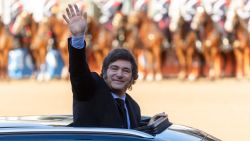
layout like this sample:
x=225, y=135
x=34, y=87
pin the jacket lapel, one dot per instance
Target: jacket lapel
x=133, y=122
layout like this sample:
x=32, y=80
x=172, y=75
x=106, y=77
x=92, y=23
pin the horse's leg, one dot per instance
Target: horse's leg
x=182, y=63
x=211, y=70
x=5, y=55
x=5, y=64
x=246, y=62
x=64, y=55
x=34, y=56
x=41, y=58
x=228, y=63
x=192, y=70
x=157, y=62
x=36, y=59
x=98, y=59
x=141, y=61
x=149, y=64
x=238, y=59
x=63, y=50
x=1, y=64
x=216, y=60
x=218, y=71
x=208, y=62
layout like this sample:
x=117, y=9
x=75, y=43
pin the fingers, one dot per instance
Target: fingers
x=65, y=18
x=72, y=11
x=78, y=12
x=68, y=13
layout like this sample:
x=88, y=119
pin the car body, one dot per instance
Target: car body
x=55, y=128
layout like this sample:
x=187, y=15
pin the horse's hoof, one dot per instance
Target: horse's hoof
x=248, y=77
x=158, y=77
x=47, y=77
x=40, y=77
x=211, y=74
x=150, y=77
x=182, y=76
x=239, y=76
x=140, y=76
x=65, y=74
x=192, y=77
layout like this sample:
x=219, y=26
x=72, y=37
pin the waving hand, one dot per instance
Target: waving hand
x=76, y=20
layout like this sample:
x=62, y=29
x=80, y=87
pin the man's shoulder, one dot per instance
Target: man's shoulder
x=130, y=99
x=100, y=82
x=134, y=105
x=96, y=76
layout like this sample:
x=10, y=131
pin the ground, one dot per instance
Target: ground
x=221, y=107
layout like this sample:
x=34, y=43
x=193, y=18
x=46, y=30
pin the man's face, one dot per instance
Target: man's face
x=119, y=76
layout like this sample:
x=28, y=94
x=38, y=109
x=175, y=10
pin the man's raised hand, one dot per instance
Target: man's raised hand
x=76, y=20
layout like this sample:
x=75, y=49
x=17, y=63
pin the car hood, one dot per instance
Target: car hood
x=177, y=132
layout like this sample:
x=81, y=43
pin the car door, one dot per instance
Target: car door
x=69, y=137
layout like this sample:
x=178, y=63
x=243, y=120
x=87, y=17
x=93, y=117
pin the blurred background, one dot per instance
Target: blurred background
x=193, y=58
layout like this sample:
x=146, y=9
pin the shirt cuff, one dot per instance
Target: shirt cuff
x=78, y=42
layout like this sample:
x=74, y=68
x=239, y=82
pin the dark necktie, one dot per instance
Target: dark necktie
x=122, y=111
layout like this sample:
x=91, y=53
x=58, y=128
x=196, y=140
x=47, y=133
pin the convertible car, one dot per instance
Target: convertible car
x=57, y=128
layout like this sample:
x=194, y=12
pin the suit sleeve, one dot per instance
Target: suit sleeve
x=82, y=82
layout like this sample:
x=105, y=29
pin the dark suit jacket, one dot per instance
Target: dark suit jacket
x=93, y=103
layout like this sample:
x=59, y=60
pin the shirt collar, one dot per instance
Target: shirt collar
x=123, y=97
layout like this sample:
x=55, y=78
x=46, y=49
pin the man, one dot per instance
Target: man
x=98, y=100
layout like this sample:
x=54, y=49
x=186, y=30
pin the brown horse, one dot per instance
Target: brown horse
x=241, y=43
x=125, y=35
x=51, y=33
x=60, y=34
x=5, y=45
x=211, y=43
x=147, y=39
x=39, y=44
x=119, y=29
x=184, y=42
x=99, y=43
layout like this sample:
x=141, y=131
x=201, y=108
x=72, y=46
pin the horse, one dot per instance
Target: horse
x=125, y=35
x=99, y=42
x=6, y=41
x=119, y=28
x=211, y=41
x=241, y=43
x=39, y=46
x=184, y=43
x=147, y=39
x=52, y=33
x=60, y=34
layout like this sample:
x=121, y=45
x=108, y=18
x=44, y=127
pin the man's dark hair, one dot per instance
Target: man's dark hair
x=120, y=54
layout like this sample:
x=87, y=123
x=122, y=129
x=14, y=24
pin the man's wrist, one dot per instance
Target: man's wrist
x=78, y=35
x=78, y=41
